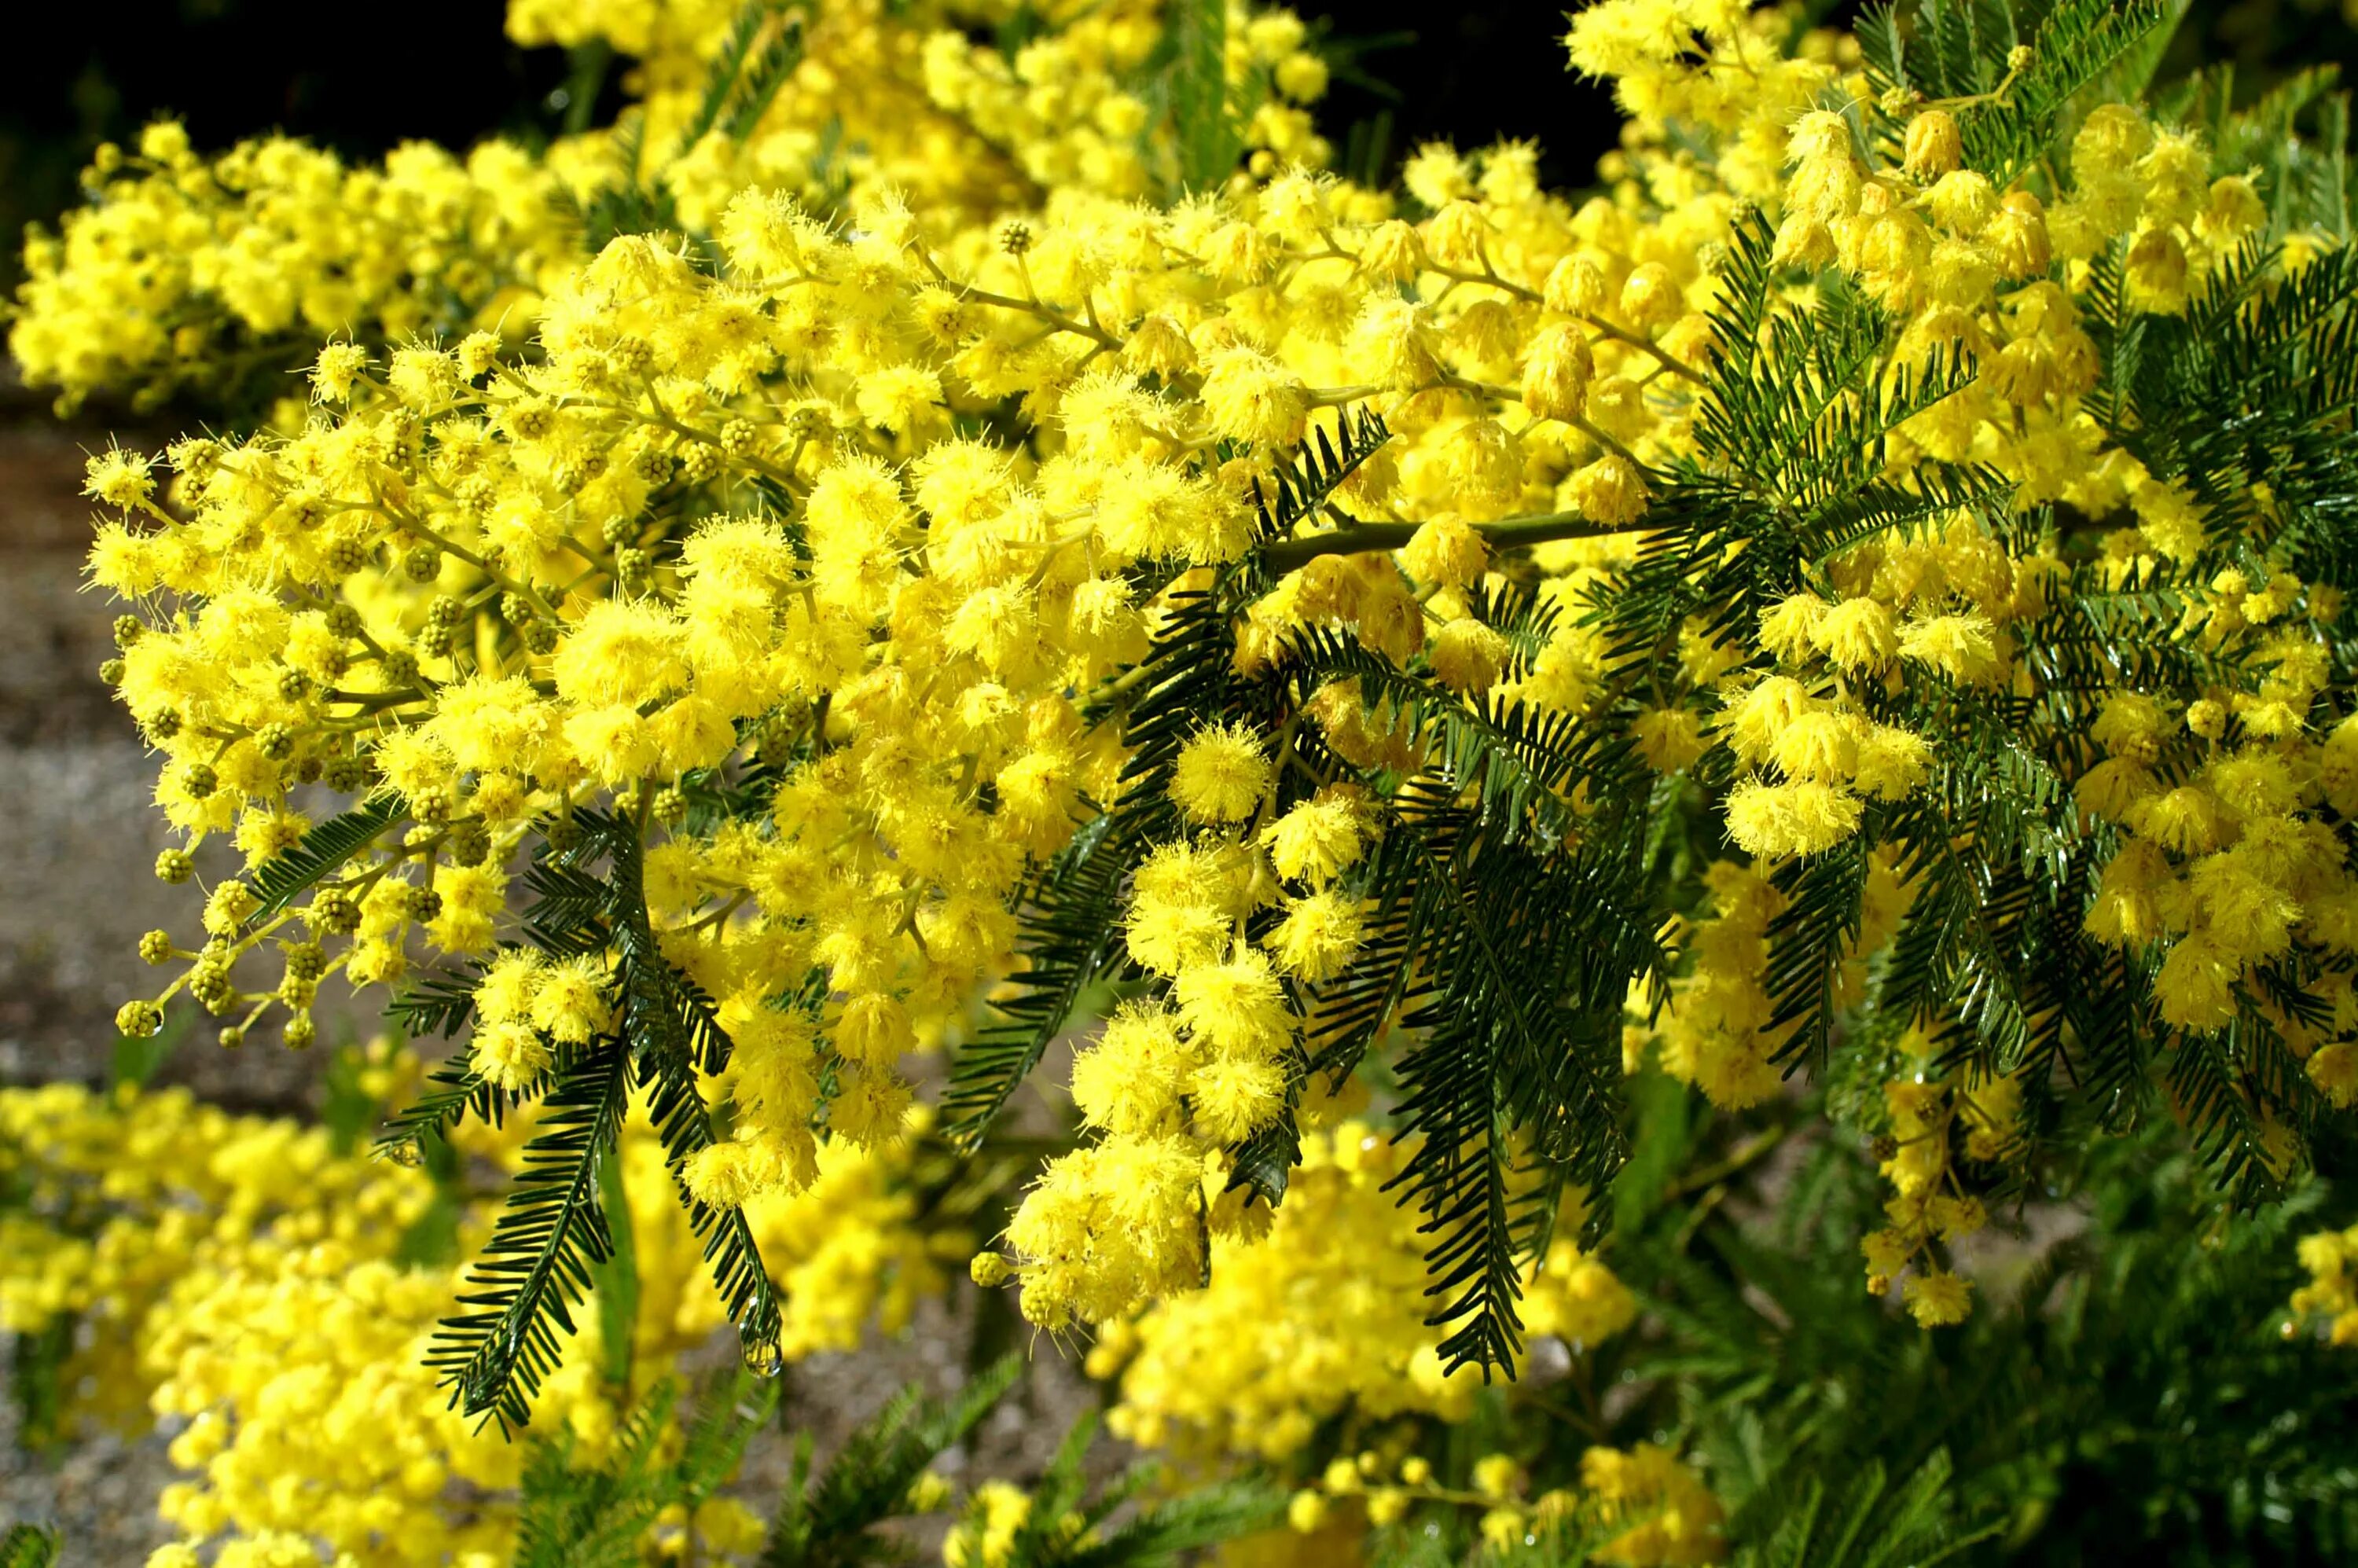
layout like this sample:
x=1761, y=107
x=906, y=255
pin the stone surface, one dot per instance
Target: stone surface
x=77, y=884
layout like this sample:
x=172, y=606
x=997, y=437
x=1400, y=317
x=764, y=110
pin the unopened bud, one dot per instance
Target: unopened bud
x=1934, y=147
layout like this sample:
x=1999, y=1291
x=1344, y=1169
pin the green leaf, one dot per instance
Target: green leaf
x=28, y=1546
x=432, y=1239
x=737, y=73
x=1311, y=480
x=616, y=1280
x=1208, y=137
x=764, y=77
x=37, y=1385
x=1196, y=1521
x=674, y=1034
x=321, y=850
x=1869, y=1523
x=537, y=1265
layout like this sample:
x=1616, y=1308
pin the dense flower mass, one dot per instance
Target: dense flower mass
x=916, y=543
x=2331, y=1259
x=273, y=1302
x=182, y=268
x=1321, y=1316
x=882, y=499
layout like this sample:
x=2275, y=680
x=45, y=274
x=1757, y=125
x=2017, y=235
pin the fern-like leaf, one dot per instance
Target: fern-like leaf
x=536, y=1268
x=321, y=850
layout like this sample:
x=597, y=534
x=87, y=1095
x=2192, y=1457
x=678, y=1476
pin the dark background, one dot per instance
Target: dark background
x=359, y=78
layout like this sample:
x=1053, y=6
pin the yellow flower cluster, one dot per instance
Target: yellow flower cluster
x=847, y=1251
x=1932, y=1118
x=2226, y=859
x=1717, y=1031
x=186, y=274
x=118, y=1200
x=1717, y=1028
x=504, y=590
x=1672, y=1519
x=183, y=272
x=298, y=1378
x=1321, y=1315
x=985, y=1536
x=1647, y=1509
x=2331, y=1259
x=243, y=1283
x=906, y=96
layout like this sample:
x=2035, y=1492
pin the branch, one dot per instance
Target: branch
x=1291, y=555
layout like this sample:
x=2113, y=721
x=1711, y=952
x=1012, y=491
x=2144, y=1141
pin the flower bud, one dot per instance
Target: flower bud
x=1574, y=287
x=1557, y=372
x=1393, y=252
x=1610, y=490
x=1933, y=145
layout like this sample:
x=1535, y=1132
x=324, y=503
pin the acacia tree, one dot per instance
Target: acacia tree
x=1858, y=602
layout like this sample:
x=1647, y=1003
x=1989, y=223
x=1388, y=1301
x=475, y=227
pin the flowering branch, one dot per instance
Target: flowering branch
x=1508, y=533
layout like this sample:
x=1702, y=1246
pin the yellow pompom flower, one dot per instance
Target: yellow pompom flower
x=1858, y=634
x=1937, y=1299
x=1235, y=1007
x=1315, y=841
x=511, y=1054
x=1611, y=491
x=1799, y=818
x=1130, y=1080
x=1221, y=774
x=1468, y=656
x=1318, y=936
x=1446, y=552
